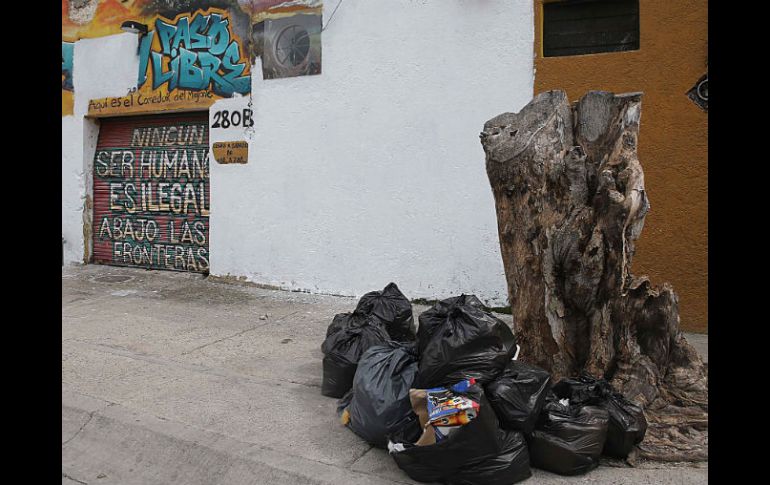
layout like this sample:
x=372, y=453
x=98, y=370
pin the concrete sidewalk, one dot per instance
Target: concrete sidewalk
x=175, y=378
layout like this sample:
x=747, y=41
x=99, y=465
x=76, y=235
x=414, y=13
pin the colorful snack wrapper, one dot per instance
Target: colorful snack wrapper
x=442, y=410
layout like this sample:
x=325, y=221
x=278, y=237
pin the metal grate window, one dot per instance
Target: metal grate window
x=574, y=27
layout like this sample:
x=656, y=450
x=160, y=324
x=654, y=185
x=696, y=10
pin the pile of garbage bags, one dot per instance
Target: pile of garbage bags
x=452, y=404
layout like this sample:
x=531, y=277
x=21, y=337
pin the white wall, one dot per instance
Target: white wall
x=72, y=190
x=105, y=66
x=372, y=171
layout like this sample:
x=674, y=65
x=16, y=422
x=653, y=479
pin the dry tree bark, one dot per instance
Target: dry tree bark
x=570, y=200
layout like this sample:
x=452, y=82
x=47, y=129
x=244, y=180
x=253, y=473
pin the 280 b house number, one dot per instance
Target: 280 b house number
x=232, y=118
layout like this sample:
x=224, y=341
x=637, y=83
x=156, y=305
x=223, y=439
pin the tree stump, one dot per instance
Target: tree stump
x=570, y=200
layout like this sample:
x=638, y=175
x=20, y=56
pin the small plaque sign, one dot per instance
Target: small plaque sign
x=231, y=152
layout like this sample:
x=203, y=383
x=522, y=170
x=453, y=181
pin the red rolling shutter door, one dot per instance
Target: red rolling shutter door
x=151, y=192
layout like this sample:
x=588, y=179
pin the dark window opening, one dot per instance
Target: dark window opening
x=574, y=27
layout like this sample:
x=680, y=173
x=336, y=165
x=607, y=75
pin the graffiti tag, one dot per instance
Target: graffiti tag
x=194, y=54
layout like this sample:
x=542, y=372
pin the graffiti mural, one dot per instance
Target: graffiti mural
x=185, y=62
x=66, y=65
x=87, y=19
x=191, y=52
x=197, y=51
x=67, y=86
x=151, y=194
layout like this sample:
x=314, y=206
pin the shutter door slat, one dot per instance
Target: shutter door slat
x=151, y=192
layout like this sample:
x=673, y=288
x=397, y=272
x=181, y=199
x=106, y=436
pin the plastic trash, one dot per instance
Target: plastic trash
x=583, y=390
x=469, y=444
x=510, y=466
x=459, y=340
x=568, y=440
x=343, y=320
x=393, y=309
x=518, y=394
x=435, y=316
x=343, y=348
x=395, y=447
x=443, y=410
x=378, y=403
x=627, y=425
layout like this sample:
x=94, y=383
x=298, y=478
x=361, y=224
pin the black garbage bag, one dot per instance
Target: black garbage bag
x=459, y=340
x=378, y=404
x=518, y=394
x=568, y=439
x=435, y=316
x=342, y=350
x=469, y=444
x=343, y=320
x=510, y=466
x=583, y=390
x=627, y=425
x=392, y=308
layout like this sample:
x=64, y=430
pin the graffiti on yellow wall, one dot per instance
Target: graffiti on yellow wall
x=186, y=62
x=192, y=52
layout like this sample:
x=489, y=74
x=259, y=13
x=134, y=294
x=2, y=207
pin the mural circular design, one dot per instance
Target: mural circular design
x=292, y=46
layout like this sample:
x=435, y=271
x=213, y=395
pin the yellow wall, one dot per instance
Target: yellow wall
x=673, y=141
